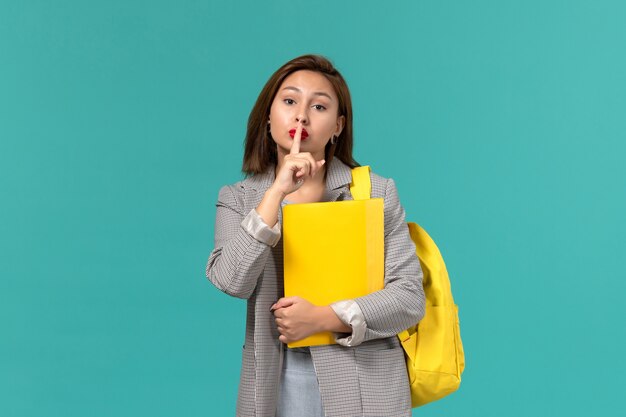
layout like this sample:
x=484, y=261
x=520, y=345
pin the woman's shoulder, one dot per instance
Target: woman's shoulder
x=231, y=196
x=237, y=194
x=381, y=186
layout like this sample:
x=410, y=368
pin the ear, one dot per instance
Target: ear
x=341, y=120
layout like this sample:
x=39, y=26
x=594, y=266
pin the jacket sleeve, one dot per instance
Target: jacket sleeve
x=242, y=245
x=400, y=304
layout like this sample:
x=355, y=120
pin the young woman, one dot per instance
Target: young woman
x=298, y=149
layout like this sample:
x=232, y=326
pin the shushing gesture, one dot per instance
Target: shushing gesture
x=297, y=167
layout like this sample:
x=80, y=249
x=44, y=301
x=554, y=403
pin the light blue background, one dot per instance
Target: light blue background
x=502, y=123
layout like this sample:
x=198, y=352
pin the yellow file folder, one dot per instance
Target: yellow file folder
x=333, y=251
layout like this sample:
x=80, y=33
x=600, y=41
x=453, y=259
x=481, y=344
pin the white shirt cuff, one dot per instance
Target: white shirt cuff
x=350, y=313
x=258, y=229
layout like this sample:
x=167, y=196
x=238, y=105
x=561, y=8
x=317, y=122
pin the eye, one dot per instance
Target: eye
x=289, y=101
x=319, y=107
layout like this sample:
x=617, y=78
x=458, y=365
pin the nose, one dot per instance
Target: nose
x=302, y=116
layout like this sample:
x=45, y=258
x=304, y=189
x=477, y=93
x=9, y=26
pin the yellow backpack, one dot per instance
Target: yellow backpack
x=433, y=347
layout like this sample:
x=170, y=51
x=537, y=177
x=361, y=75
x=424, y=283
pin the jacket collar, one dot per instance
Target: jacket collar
x=339, y=175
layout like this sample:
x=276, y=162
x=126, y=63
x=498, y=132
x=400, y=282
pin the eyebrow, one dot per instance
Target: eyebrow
x=317, y=93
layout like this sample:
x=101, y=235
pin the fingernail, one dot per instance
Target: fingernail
x=323, y=161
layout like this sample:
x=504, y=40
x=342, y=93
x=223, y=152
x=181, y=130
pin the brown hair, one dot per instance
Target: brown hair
x=259, y=147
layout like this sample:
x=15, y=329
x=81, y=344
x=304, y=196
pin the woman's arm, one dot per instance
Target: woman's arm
x=242, y=245
x=401, y=303
x=378, y=315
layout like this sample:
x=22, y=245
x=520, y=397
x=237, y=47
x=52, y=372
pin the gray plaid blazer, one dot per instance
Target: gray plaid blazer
x=366, y=380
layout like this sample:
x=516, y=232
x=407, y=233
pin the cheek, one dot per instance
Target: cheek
x=271, y=117
x=277, y=125
x=274, y=111
x=278, y=117
x=329, y=125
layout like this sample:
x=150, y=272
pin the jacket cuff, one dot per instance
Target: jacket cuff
x=350, y=313
x=258, y=229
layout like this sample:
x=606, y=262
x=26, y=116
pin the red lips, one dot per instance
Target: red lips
x=303, y=136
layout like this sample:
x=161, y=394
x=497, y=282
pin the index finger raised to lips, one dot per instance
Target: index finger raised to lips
x=295, y=146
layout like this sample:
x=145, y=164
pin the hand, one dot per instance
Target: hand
x=296, y=318
x=297, y=167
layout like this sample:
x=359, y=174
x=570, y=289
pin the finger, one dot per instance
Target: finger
x=312, y=164
x=299, y=166
x=277, y=305
x=284, y=302
x=274, y=308
x=316, y=168
x=301, y=172
x=305, y=168
x=319, y=165
x=295, y=146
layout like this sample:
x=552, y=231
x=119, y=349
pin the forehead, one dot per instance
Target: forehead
x=309, y=82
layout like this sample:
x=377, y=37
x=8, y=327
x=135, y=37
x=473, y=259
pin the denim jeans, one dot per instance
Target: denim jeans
x=299, y=389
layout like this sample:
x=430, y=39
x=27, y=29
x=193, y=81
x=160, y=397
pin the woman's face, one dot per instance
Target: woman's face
x=306, y=97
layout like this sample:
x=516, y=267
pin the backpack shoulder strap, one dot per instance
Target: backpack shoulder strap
x=361, y=186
